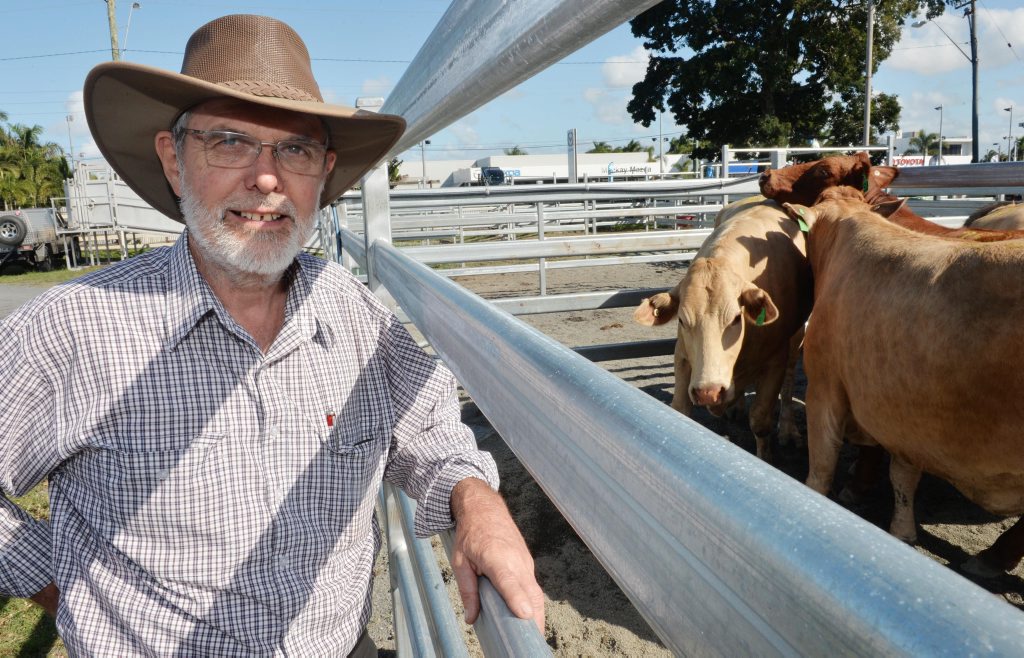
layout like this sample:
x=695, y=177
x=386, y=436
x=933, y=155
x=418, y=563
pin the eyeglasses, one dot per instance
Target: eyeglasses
x=232, y=150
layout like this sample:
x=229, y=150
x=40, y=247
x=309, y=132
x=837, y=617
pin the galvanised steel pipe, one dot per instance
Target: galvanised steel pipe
x=721, y=553
x=480, y=50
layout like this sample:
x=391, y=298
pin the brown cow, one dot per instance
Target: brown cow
x=802, y=183
x=890, y=346
x=741, y=308
x=1002, y=216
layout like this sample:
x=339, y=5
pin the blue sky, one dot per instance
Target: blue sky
x=362, y=49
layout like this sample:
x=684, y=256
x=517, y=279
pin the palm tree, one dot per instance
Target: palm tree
x=31, y=172
x=922, y=142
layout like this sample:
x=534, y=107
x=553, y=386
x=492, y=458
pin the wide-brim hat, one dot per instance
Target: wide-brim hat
x=251, y=58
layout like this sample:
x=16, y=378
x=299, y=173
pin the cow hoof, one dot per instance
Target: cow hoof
x=981, y=569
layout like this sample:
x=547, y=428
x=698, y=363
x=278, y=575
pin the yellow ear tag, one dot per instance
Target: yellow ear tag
x=762, y=316
x=800, y=221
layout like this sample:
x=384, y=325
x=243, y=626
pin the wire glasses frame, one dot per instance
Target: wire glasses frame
x=232, y=150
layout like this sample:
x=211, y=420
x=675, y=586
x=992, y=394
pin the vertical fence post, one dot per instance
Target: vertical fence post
x=376, y=222
x=541, y=262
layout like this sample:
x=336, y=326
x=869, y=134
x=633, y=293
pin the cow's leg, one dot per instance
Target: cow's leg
x=788, y=430
x=866, y=469
x=762, y=412
x=681, y=395
x=904, y=477
x=1000, y=557
x=827, y=409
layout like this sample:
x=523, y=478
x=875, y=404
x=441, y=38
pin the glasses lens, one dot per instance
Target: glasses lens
x=300, y=156
x=225, y=149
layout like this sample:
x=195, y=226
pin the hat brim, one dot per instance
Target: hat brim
x=127, y=104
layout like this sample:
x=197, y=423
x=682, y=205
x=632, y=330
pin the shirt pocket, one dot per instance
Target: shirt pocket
x=162, y=505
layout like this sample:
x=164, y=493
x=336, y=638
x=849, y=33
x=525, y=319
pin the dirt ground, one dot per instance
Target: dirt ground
x=587, y=614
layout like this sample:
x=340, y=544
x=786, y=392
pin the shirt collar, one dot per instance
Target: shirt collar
x=190, y=299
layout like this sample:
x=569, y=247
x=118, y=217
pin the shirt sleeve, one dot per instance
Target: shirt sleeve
x=432, y=449
x=25, y=458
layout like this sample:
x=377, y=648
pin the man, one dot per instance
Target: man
x=215, y=418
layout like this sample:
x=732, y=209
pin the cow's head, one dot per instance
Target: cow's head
x=802, y=183
x=839, y=202
x=716, y=309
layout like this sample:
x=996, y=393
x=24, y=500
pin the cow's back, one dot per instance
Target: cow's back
x=923, y=335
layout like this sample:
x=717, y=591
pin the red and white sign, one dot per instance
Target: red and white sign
x=908, y=161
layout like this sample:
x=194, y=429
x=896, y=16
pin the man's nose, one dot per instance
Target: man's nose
x=266, y=171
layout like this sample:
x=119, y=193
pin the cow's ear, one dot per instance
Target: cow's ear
x=658, y=309
x=802, y=215
x=889, y=208
x=758, y=306
x=879, y=178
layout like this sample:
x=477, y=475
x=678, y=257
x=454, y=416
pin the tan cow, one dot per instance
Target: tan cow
x=740, y=310
x=918, y=340
x=1002, y=216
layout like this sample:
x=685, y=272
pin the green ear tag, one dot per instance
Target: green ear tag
x=800, y=221
x=762, y=316
x=864, y=184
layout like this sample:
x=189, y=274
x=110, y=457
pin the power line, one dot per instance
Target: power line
x=996, y=24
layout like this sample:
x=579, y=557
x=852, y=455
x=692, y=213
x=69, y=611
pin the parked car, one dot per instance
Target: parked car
x=29, y=236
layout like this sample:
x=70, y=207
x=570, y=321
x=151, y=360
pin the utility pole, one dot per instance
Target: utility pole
x=115, y=52
x=970, y=14
x=867, y=73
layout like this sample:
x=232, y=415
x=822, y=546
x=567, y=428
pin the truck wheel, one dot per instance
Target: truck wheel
x=12, y=230
x=44, y=259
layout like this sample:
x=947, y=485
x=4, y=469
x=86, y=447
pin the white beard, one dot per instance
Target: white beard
x=243, y=255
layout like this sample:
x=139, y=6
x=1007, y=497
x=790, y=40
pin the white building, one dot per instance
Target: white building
x=955, y=150
x=534, y=169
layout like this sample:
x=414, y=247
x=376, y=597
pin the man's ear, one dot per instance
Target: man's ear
x=164, y=144
x=758, y=306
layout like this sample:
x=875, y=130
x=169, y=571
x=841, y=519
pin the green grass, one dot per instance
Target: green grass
x=33, y=278
x=25, y=630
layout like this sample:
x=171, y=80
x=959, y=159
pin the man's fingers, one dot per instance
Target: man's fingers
x=466, y=579
x=525, y=602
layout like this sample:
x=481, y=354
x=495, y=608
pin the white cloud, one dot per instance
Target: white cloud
x=943, y=44
x=465, y=134
x=376, y=87
x=625, y=70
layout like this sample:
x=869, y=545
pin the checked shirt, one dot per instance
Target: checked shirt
x=207, y=499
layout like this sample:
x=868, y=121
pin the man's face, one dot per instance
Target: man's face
x=249, y=220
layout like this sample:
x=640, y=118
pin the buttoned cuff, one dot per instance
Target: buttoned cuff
x=434, y=512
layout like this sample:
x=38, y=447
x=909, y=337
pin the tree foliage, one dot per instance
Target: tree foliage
x=923, y=142
x=31, y=172
x=515, y=150
x=751, y=73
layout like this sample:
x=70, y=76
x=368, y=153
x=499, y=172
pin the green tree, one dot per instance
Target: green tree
x=515, y=150
x=394, y=177
x=746, y=73
x=602, y=147
x=923, y=142
x=31, y=172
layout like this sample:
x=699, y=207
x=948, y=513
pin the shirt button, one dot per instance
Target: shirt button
x=273, y=432
x=162, y=474
x=282, y=561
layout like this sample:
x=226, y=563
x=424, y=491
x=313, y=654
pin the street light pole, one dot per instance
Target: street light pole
x=128, y=26
x=939, y=108
x=71, y=145
x=1009, y=134
x=974, y=82
x=867, y=73
x=423, y=164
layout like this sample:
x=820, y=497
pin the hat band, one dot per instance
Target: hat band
x=270, y=90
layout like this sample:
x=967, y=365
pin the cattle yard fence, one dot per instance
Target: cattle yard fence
x=736, y=558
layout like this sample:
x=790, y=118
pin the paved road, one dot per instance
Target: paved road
x=13, y=295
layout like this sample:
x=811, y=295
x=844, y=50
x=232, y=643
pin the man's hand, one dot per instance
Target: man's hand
x=47, y=598
x=488, y=543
